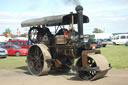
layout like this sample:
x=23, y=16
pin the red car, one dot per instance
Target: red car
x=15, y=50
x=21, y=43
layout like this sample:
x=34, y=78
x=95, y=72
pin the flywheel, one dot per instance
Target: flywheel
x=38, y=60
x=98, y=66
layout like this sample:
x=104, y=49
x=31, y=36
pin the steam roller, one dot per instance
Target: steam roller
x=88, y=67
x=65, y=49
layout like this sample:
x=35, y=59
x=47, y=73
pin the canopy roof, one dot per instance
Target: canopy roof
x=54, y=20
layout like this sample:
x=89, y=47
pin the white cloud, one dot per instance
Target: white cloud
x=99, y=14
x=2, y=21
x=13, y=20
x=117, y=19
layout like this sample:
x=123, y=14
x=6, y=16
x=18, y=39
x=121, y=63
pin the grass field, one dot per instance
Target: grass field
x=12, y=62
x=116, y=55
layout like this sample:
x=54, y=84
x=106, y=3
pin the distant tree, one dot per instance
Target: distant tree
x=6, y=34
x=23, y=35
x=96, y=30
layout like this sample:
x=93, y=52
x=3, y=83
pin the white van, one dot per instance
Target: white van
x=120, y=39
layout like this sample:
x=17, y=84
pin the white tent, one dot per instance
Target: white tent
x=103, y=35
x=3, y=39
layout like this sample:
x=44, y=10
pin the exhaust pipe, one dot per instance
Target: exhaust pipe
x=79, y=10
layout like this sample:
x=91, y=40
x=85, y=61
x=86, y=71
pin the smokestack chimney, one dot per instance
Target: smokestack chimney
x=79, y=10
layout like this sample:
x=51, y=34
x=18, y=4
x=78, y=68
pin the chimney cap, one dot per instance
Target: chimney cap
x=79, y=7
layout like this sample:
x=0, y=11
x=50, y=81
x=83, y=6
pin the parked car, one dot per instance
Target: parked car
x=92, y=43
x=120, y=39
x=96, y=42
x=2, y=43
x=126, y=43
x=15, y=50
x=99, y=43
x=3, y=53
x=21, y=43
x=106, y=42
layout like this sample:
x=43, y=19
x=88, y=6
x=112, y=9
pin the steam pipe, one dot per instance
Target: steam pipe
x=72, y=20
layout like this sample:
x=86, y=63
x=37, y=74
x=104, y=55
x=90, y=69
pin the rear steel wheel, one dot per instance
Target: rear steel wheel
x=97, y=67
x=37, y=59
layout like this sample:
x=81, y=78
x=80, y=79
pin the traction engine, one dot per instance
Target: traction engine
x=65, y=49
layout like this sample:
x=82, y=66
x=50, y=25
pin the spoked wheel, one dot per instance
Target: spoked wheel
x=97, y=67
x=37, y=58
x=86, y=74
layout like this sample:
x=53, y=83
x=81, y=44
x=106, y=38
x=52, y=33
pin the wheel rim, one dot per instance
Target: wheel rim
x=86, y=75
x=35, y=60
x=39, y=60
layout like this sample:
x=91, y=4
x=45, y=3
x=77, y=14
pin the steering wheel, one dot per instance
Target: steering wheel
x=33, y=34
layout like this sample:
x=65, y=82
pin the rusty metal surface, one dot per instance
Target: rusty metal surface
x=85, y=54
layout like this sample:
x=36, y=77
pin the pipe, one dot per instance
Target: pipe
x=79, y=10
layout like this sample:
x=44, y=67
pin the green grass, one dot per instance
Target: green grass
x=117, y=55
x=12, y=62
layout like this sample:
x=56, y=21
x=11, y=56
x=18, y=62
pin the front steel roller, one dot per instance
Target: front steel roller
x=38, y=60
x=98, y=66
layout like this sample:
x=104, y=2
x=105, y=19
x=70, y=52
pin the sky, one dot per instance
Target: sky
x=109, y=15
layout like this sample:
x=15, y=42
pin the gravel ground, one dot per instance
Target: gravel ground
x=22, y=77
